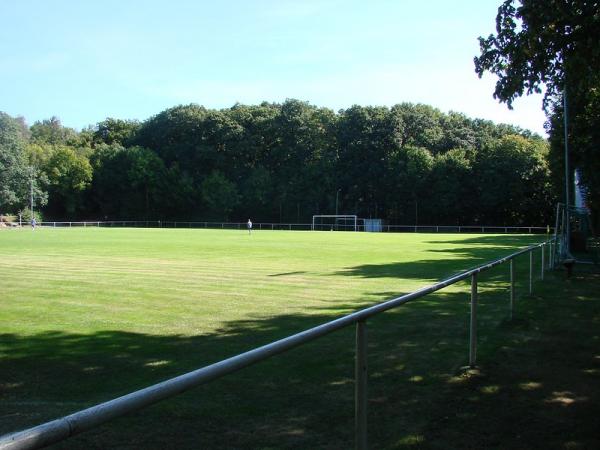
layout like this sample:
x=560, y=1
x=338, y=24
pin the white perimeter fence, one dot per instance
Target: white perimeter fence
x=301, y=226
x=65, y=427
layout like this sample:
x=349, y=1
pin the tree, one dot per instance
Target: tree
x=146, y=172
x=176, y=135
x=109, y=182
x=51, y=131
x=408, y=171
x=552, y=44
x=17, y=177
x=220, y=196
x=541, y=43
x=451, y=188
x=367, y=139
x=115, y=131
x=418, y=126
x=513, y=181
x=69, y=174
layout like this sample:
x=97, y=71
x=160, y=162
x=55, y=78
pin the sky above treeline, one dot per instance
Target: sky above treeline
x=84, y=61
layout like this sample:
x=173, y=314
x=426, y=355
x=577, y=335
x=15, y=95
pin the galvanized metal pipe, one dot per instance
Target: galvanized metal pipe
x=65, y=427
x=530, y=273
x=360, y=387
x=512, y=287
x=543, y=269
x=473, y=327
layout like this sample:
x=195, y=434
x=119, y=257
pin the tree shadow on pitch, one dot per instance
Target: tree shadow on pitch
x=418, y=392
x=483, y=250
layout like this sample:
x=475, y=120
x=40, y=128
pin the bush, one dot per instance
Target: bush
x=26, y=216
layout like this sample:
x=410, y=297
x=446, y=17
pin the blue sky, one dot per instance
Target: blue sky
x=84, y=61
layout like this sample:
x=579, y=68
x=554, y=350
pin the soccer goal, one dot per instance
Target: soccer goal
x=334, y=222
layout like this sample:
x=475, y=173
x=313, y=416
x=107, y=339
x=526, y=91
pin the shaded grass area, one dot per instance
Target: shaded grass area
x=536, y=387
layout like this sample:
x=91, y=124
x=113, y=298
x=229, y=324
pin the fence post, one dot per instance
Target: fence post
x=530, y=273
x=512, y=286
x=360, y=388
x=473, y=334
x=543, y=260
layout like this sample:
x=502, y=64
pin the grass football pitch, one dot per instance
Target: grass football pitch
x=89, y=314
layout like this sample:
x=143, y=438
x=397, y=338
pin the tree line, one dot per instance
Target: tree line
x=283, y=162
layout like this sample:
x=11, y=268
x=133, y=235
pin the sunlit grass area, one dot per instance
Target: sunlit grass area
x=90, y=314
x=190, y=282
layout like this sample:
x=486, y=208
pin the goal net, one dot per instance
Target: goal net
x=334, y=222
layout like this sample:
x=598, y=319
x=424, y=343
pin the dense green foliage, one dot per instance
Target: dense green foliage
x=553, y=44
x=17, y=178
x=285, y=162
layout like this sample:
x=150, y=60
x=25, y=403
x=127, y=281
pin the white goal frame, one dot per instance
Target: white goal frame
x=336, y=216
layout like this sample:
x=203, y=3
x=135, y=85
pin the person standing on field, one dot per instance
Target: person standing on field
x=33, y=223
x=249, y=226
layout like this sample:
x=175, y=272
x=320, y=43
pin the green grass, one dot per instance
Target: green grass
x=183, y=282
x=90, y=314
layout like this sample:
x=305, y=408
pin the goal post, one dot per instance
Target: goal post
x=337, y=222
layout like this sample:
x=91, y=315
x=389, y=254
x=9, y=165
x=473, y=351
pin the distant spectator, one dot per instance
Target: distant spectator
x=249, y=226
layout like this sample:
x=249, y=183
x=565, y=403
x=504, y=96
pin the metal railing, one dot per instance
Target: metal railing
x=298, y=226
x=65, y=427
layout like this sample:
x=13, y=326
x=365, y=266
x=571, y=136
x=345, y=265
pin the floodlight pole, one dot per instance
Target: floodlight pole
x=31, y=192
x=567, y=200
x=337, y=194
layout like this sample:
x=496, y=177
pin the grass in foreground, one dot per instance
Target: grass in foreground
x=87, y=315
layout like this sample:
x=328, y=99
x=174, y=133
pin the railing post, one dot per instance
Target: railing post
x=530, y=272
x=360, y=388
x=543, y=260
x=473, y=333
x=512, y=286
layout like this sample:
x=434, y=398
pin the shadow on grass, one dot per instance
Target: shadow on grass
x=485, y=249
x=298, y=272
x=504, y=241
x=535, y=367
